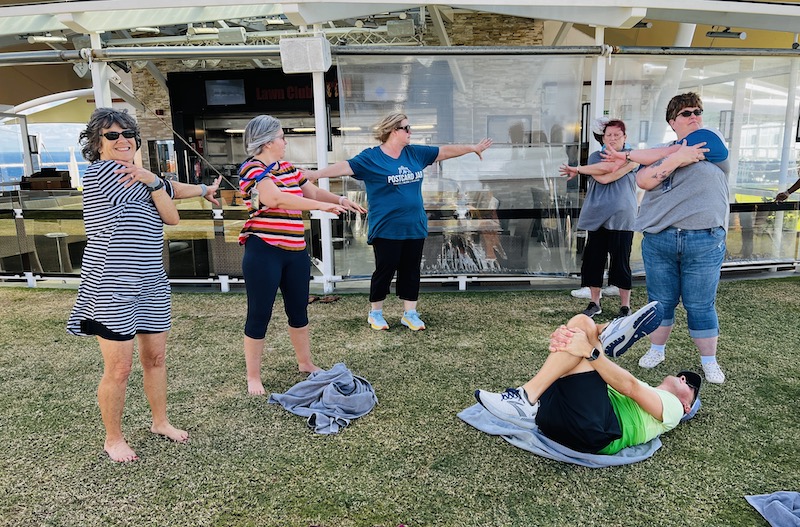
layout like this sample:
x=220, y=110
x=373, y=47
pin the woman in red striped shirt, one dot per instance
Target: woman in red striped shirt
x=276, y=192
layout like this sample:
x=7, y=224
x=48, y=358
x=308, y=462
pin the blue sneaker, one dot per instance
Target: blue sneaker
x=511, y=406
x=622, y=333
x=376, y=320
x=412, y=321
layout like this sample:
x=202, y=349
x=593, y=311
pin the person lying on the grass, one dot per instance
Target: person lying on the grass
x=584, y=401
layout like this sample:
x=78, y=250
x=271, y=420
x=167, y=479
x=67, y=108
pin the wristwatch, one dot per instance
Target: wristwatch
x=157, y=184
x=595, y=354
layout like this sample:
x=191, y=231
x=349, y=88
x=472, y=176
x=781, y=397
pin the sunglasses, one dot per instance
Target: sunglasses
x=113, y=136
x=688, y=113
x=407, y=128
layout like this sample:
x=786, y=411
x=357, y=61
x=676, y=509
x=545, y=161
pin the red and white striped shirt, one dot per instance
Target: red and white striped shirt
x=279, y=227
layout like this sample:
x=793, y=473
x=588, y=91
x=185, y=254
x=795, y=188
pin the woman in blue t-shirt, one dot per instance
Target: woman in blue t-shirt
x=392, y=173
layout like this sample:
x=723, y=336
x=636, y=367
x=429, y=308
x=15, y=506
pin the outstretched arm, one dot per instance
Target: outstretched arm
x=207, y=192
x=783, y=196
x=311, y=191
x=603, y=172
x=339, y=169
x=451, y=151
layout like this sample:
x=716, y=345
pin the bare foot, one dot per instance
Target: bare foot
x=255, y=387
x=177, y=435
x=308, y=368
x=120, y=451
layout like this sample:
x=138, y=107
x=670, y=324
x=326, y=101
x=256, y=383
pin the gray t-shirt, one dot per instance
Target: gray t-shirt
x=693, y=197
x=611, y=205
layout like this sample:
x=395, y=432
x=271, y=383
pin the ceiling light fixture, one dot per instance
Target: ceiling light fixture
x=202, y=30
x=727, y=33
x=46, y=39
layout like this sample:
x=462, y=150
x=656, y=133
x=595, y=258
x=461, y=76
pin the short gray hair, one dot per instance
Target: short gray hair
x=260, y=131
x=90, y=138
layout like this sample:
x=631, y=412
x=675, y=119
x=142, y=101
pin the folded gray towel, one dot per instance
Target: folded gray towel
x=534, y=441
x=330, y=399
x=780, y=509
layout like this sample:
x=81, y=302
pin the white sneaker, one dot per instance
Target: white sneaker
x=713, y=373
x=583, y=292
x=511, y=406
x=611, y=290
x=651, y=359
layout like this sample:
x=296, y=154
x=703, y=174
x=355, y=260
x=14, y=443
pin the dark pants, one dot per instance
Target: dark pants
x=266, y=269
x=576, y=412
x=599, y=245
x=401, y=256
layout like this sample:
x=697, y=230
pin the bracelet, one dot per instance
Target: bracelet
x=203, y=189
x=578, y=170
x=341, y=200
x=628, y=156
x=159, y=185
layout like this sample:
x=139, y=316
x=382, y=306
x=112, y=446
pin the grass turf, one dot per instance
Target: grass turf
x=411, y=460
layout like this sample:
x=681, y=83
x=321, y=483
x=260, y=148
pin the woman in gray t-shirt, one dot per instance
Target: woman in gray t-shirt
x=608, y=214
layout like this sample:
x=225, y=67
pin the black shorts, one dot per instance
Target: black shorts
x=92, y=327
x=576, y=412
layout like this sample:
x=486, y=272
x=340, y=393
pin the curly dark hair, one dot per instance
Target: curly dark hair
x=90, y=138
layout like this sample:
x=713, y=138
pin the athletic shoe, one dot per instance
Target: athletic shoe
x=376, y=320
x=611, y=290
x=651, y=359
x=583, y=292
x=592, y=309
x=412, y=321
x=713, y=373
x=511, y=406
x=621, y=333
x=624, y=311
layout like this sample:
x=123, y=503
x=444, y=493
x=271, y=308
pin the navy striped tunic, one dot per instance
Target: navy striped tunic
x=123, y=282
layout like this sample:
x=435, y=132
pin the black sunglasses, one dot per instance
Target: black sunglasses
x=127, y=134
x=407, y=128
x=688, y=113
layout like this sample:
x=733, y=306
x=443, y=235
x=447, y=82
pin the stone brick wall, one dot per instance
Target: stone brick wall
x=483, y=29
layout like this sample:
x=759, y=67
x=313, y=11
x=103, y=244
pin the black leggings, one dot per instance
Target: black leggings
x=266, y=269
x=403, y=256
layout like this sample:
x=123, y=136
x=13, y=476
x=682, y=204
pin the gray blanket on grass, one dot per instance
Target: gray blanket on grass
x=780, y=509
x=330, y=399
x=534, y=441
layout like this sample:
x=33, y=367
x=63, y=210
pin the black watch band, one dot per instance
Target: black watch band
x=159, y=184
x=595, y=354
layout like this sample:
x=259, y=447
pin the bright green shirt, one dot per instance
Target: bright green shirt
x=637, y=425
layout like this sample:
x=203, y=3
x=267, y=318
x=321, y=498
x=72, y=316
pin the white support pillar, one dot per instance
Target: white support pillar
x=670, y=84
x=786, y=150
x=321, y=126
x=100, y=84
x=598, y=95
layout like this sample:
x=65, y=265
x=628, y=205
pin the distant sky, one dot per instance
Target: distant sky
x=55, y=137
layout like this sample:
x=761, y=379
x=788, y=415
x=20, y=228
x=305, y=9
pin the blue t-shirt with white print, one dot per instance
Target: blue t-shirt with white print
x=394, y=191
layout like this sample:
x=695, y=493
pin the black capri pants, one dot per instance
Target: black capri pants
x=402, y=256
x=266, y=269
x=599, y=245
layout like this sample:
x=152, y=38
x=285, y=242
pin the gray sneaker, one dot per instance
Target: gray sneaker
x=621, y=333
x=592, y=309
x=511, y=406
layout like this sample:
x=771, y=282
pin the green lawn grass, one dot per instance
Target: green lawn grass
x=411, y=460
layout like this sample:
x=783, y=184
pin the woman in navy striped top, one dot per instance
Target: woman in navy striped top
x=124, y=291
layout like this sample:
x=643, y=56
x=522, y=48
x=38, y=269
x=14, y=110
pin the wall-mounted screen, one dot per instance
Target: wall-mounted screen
x=224, y=92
